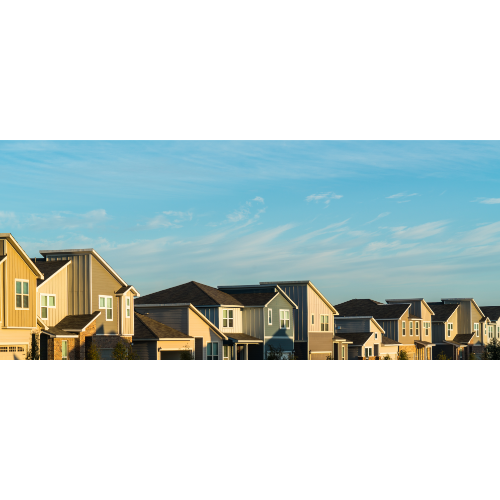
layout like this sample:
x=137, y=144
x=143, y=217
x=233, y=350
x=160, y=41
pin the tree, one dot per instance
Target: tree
x=387, y=356
x=492, y=350
x=402, y=354
x=186, y=353
x=34, y=351
x=92, y=352
x=472, y=356
x=292, y=355
x=123, y=350
x=274, y=352
x=442, y=356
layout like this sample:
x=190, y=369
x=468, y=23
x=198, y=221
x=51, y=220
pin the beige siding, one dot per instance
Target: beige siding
x=178, y=345
x=198, y=328
x=128, y=323
x=316, y=306
x=476, y=318
x=103, y=283
x=321, y=341
x=391, y=350
x=253, y=321
x=58, y=286
x=237, y=321
x=2, y=266
x=15, y=336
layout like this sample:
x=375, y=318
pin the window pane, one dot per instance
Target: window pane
x=19, y=302
x=25, y=287
x=224, y=323
x=224, y=313
x=326, y=319
x=44, y=300
x=128, y=301
x=52, y=301
x=44, y=313
x=230, y=323
x=18, y=287
x=64, y=348
x=109, y=314
x=25, y=301
x=102, y=302
x=230, y=313
x=128, y=313
x=215, y=349
x=209, y=349
x=109, y=303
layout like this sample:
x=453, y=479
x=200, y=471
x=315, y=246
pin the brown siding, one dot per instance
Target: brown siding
x=58, y=286
x=320, y=341
x=316, y=306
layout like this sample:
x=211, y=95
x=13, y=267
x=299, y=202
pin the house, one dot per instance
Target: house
x=267, y=315
x=18, y=311
x=366, y=337
x=81, y=300
x=493, y=321
x=396, y=320
x=218, y=314
x=314, y=321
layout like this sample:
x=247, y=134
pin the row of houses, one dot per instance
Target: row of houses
x=73, y=300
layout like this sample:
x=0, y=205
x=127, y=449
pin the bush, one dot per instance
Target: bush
x=186, y=353
x=492, y=350
x=386, y=357
x=472, y=356
x=274, y=352
x=442, y=356
x=123, y=350
x=402, y=354
x=34, y=351
x=93, y=352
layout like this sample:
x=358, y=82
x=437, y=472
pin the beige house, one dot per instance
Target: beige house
x=18, y=311
x=492, y=322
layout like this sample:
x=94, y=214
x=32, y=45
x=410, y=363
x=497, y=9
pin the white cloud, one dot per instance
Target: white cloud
x=491, y=201
x=160, y=221
x=259, y=199
x=180, y=215
x=326, y=197
x=419, y=232
x=67, y=220
x=401, y=195
x=8, y=219
x=380, y=216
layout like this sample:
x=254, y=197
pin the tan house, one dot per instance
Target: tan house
x=81, y=301
x=18, y=311
x=492, y=323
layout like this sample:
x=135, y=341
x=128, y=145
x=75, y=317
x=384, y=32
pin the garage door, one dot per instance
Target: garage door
x=170, y=355
x=11, y=352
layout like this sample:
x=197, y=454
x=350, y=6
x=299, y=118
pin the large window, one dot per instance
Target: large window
x=450, y=329
x=490, y=332
x=227, y=318
x=324, y=322
x=427, y=327
x=284, y=318
x=368, y=352
x=106, y=302
x=417, y=328
x=64, y=349
x=269, y=316
x=212, y=350
x=46, y=302
x=476, y=329
x=22, y=294
x=411, y=328
x=127, y=307
x=404, y=327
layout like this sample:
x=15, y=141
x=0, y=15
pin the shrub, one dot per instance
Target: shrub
x=123, y=350
x=402, y=354
x=93, y=352
x=442, y=356
x=34, y=351
x=492, y=350
x=186, y=353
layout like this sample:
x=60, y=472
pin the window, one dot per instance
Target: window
x=404, y=327
x=411, y=328
x=324, y=322
x=368, y=352
x=269, y=316
x=106, y=302
x=4, y=349
x=417, y=328
x=227, y=318
x=427, y=327
x=312, y=319
x=476, y=329
x=225, y=350
x=12, y=349
x=127, y=307
x=376, y=336
x=22, y=294
x=490, y=332
x=284, y=318
x=46, y=302
x=450, y=329
x=64, y=349
x=343, y=352
x=20, y=349
x=212, y=350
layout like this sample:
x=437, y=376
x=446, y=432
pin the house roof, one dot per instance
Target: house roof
x=442, y=312
x=123, y=289
x=392, y=301
x=463, y=338
x=192, y=292
x=148, y=328
x=49, y=268
x=389, y=341
x=254, y=299
x=22, y=253
x=357, y=338
x=77, y=322
x=243, y=337
x=368, y=307
x=472, y=301
x=492, y=312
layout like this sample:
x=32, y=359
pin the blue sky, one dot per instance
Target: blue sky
x=361, y=219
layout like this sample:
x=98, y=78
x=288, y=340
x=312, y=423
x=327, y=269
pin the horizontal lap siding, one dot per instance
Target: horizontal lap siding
x=320, y=341
x=178, y=345
x=58, y=286
x=352, y=325
x=11, y=336
x=145, y=350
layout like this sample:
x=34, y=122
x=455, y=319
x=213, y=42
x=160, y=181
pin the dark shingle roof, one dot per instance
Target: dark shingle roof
x=368, y=307
x=389, y=341
x=77, y=322
x=254, y=299
x=442, y=311
x=463, y=338
x=148, y=328
x=57, y=331
x=48, y=268
x=190, y=293
x=242, y=337
x=356, y=338
x=412, y=316
x=492, y=312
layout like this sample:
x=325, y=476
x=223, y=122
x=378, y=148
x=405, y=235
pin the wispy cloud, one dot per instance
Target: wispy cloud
x=419, y=232
x=401, y=195
x=490, y=201
x=259, y=199
x=66, y=220
x=8, y=219
x=325, y=197
x=380, y=216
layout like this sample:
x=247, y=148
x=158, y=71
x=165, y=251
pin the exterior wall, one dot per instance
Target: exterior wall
x=58, y=286
x=237, y=320
x=392, y=329
x=274, y=335
x=10, y=337
x=211, y=313
x=79, y=272
x=2, y=266
x=391, y=350
x=316, y=306
x=175, y=317
x=253, y=321
x=178, y=345
x=76, y=346
x=298, y=294
x=145, y=350
x=198, y=328
x=108, y=341
x=410, y=349
x=354, y=352
x=127, y=323
x=476, y=318
x=320, y=341
x=356, y=325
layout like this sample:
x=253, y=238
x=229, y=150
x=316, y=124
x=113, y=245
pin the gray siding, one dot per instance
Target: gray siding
x=353, y=352
x=298, y=293
x=273, y=333
x=391, y=329
x=145, y=350
x=352, y=325
x=438, y=332
x=253, y=321
x=211, y=313
x=175, y=317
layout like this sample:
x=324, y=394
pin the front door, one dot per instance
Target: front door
x=335, y=351
x=240, y=351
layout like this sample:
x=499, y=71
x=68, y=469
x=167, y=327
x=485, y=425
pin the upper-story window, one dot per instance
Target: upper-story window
x=450, y=329
x=476, y=329
x=417, y=328
x=227, y=318
x=284, y=318
x=22, y=294
x=403, y=327
x=376, y=336
x=490, y=332
x=411, y=328
x=312, y=319
x=324, y=322
x=106, y=302
x=427, y=327
x=46, y=302
x=269, y=316
x=127, y=307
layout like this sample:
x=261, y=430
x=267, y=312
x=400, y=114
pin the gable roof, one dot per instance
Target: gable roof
x=190, y=293
x=49, y=268
x=463, y=338
x=369, y=307
x=148, y=328
x=77, y=322
x=254, y=299
x=256, y=295
x=357, y=338
x=442, y=312
x=22, y=253
x=472, y=301
x=492, y=312
x=392, y=301
x=389, y=341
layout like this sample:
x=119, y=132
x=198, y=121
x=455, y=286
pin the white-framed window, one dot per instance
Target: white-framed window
x=284, y=319
x=368, y=352
x=417, y=328
x=127, y=307
x=22, y=294
x=227, y=318
x=64, y=349
x=450, y=329
x=403, y=327
x=106, y=302
x=46, y=302
x=376, y=335
x=312, y=319
x=490, y=332
x=476, y=329
x=225, y=352
x=427, y=327
x=269, y=316
x=324, y=322
x=212, y=350
x=411, y=328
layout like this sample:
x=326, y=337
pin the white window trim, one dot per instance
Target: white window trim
x=321, y=322
x=411, y=328
x=285, y=320
x=476, y=329
x=47, y=306
x=106, y=308
x=22, y=295
x=212, y=355
x=448, y=329
x=417, y=328
x=228, y=318
x=370, y=354
x=403, y=328
x=127, y=307
x=269, y=316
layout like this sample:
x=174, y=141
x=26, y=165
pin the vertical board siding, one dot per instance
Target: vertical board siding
x=211, y=313
x=58, y=286
x=253, y=321
x=316, y=305
x=273, y=333
x=298, y=294
x=237, y=320
x=128, y=323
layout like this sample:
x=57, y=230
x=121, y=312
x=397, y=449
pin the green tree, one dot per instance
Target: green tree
x=274, y=352
x=123, y=350
x=442, y=356
x=34, y=351
x=402, y=354
x=492, y=350
x=92, y=352
x=186, y=353
x=387, y=356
